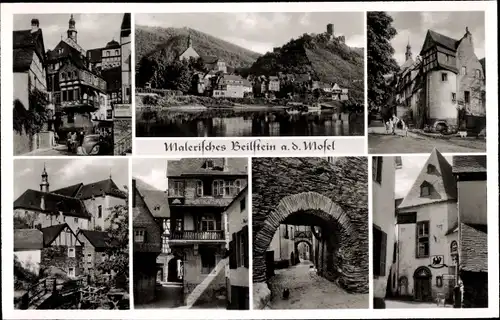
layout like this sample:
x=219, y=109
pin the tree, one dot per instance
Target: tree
x=147, y=69
x=177, y=76
x=26, y=221
x=117, y=251
x=380, y=57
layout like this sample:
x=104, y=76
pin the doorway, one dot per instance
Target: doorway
x=175, y=270
x=422, y=283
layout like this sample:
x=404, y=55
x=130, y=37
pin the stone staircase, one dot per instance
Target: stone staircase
x=200, y=289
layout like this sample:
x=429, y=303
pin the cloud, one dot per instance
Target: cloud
x=357, y=41
x=25, y=171
x=75, y=168
x=305, y=19
x=155, y=178
x=259, y=47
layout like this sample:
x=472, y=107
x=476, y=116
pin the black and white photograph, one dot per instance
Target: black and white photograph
x=250, y=74
x=310, y=233
x=71, y=234
x=72, y=84
x=430, y=246
x=190, y=229
x=426, y=82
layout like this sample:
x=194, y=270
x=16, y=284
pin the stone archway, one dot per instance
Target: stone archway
x=309, y=245
x=350, y=275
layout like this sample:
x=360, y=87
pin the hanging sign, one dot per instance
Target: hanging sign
x=437, y=262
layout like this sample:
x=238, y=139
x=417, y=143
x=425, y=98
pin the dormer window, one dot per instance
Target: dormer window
x=139, y=235
x=209, y=164
x=425, y=190
x=431, y=169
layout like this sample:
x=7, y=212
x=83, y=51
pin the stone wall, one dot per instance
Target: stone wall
x=342, y=185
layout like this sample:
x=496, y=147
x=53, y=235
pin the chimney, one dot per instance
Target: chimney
x=42, y=202
x=35, y=25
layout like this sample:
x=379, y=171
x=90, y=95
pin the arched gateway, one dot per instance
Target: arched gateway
x=316, y=207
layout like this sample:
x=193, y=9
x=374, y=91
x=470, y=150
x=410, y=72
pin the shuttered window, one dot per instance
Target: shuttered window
x=379, y=251
x=232, y=252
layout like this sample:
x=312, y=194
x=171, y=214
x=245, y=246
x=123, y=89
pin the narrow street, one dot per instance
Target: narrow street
x=310, y=291
x=398, y=304
x=171, y=296
x=381, y=142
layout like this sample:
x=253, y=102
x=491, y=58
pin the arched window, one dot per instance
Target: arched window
x=108, y=54
x=431, y=168
x=478, y=74
x=117, y=52
x=453, y=247
x=425, y=189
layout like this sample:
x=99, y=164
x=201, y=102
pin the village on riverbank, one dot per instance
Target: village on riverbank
x=183, y=78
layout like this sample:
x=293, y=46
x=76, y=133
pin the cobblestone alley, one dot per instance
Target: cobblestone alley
x=310, y=291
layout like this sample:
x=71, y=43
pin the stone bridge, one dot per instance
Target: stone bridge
x=332, y=198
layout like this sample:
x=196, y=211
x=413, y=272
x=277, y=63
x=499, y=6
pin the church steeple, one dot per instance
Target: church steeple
x=408, y=54
x=190, y=41
x=44, y=186
x=72, y=33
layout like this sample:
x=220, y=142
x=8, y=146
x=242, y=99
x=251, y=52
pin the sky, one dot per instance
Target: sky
x=65, y=172
x=260, y=32
x=409, y=172
x=94, y=30
x=413, y=26
x=151, y=171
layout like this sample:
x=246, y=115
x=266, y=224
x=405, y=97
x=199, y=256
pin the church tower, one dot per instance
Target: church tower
x=190, y=41
x=408, y=54
x=72, y=33
x=44, y=186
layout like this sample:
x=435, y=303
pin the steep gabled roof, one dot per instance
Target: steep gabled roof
x=107, y=187
x=156, y=200
x=51, y=233
x=434, y=38
x=54, y=203
x=465, y=164
x=25, y=43
x=187, y=166
x=126, y=26
x=69, y=191
x=444, y=186
x=473, y=248
x=28, y=239
x=98, y=239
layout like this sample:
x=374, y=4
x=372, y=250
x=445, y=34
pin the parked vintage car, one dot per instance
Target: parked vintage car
x=94, y=145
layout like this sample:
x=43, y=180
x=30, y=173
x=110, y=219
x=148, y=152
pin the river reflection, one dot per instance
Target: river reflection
x=232, y=123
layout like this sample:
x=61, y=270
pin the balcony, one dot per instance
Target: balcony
x=83, y=105
x=198, y=235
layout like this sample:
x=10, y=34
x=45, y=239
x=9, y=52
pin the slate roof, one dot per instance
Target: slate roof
x=98, y=239
x=443, y=183
x=54, y=203
x=156, y=200
x=465, y=164
x=28, y=239
x=190, y=166
x=83, y=192
x=22, y=59
x=126, y=26
x=25, y=43
x=112, y=44
x=473, y=248
x=442, y=40
x=51, y=233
